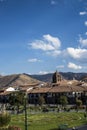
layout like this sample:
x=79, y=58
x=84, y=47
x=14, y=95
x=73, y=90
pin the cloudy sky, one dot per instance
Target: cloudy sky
x=42, y=36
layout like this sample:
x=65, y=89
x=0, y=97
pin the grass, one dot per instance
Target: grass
x=49, y=121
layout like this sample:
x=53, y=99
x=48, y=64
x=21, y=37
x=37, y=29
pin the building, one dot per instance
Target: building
x=52, y=91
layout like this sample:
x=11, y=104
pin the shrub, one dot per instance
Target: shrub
x=78, y=102
x=45, y=110
x=14, y=128
x=63, y=127
x=5, y=119
x=11, y=128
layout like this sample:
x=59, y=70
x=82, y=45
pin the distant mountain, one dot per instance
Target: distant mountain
x=17, y=80
x=25, y=79
x=44, y=77
x=65, y=75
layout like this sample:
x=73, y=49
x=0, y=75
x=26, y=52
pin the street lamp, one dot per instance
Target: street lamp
x=25, y=108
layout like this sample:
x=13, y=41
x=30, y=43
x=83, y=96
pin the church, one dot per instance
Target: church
x=52, y=91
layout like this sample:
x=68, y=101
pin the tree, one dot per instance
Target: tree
x=78, y=103
x=63, y=100
x=41, y=100
x=16, y=99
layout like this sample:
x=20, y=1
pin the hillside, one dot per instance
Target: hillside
x=25, y=79
x=65, y=75
x=17, y=80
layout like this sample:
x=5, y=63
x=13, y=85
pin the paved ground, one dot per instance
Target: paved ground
x=81, y=128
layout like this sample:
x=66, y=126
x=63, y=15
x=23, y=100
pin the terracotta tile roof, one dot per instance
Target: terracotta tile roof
x=57, y=88
x=67, y=88
x=40, y=90
x=5, y=93
x=76, y=89
x=29, y=85
x=84, y=86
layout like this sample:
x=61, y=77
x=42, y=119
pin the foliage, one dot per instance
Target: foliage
x=63, y=127
x=78, y=102
x=14, y=128
x=5, y=119
x=41, y=100
x=85, y=114
x=16, y=99
x=63, y=100
x=11, y=128
x=45, y=109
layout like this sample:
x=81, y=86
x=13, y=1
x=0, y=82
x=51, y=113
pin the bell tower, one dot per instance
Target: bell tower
x=56, y=78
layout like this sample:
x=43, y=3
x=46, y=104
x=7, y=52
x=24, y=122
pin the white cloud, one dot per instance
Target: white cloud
x=83, y=42
x=43, y=72
x=38, y=44
x=77, y=54
x=54, y=53
x=60, y=66
x=85, y=23
x=83, y=13
x=53, y=2
x=54, y=41
x=34, y=60
x=74, y=66
x=85, y=33
x=49, y=44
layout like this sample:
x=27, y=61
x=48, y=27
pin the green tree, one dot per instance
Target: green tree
x=78, y=103
x=41, y=100
x=16, y=99
x=63, y=100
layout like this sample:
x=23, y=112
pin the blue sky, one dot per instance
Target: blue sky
x=41, y=36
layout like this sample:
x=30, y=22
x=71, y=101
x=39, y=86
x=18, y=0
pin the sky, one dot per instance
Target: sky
x=42, y=36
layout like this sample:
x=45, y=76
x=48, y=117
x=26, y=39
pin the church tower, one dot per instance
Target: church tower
x=56, y=78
